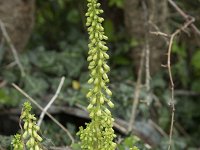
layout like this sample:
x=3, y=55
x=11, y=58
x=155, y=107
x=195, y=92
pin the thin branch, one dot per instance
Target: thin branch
x=171, y=103
x=121, y=126
x=49, y=115
x=51, y=101
x=12, y=47
x=136, y=93
x=159, y=33
x=147, y=54
x=186, y=93
x=159, y=129
x=60, y=148
x=184, y=15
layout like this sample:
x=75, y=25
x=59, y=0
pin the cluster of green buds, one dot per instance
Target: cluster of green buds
x=134, y=148
x=17, y=142
x=98, y=135
x=30, y=135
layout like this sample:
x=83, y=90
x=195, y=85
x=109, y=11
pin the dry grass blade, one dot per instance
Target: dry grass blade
x=51, y=101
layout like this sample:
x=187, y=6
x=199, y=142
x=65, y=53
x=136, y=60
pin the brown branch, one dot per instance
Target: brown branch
x=136, y=93
x=172, y=36
x=12, y=47
x=142, y=129
x=147, y=54
x=60, y=148
x=159, y=129
x=159, y=33
x=184, y=15
x=171, y=103
x=49, y=115
x=186, y=93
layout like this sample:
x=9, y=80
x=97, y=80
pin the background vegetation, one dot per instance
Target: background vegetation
x=58, y=47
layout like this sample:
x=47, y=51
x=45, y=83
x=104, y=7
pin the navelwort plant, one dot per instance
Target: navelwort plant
x=30, y=135
x=98, y=134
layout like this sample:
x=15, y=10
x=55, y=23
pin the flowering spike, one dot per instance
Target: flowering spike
x=17, y=142
x=30, y=128
x=98, y=135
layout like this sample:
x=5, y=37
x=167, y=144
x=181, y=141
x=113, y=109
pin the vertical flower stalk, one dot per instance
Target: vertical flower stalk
x=98, y=134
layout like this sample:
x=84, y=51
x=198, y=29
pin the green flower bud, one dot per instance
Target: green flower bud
x=106, y=67
x=96, y=35
x=100, y=11
x=91, y=115
x=32, y=141
x=94, y=100
x=90, y=80
x=30, y=125
x=95, y=57
x=37, y=128
x=105, y=37
x=25, y=134
x=105, y=77
x=98, y=4
x=30, y=131
x=91, y=67
x=102, y=84
x=101, y=56
x=93, y=72
x=99, y=113
x=110, y=104
x=92, y=63
x=105, y=48
x=38, y=138
x=37, y=147
x=89, y=94
x=89, y=58
x=100, y=20
x=90, y=106
x=96, y=81
x=96, y=88
x=25, y=125
x=101, y=100
x=101, y=70
x=100, y=63
x=106, y=56
x=88, y=23
x=107, y=111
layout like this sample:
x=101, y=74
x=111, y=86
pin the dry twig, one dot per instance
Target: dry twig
x=51, y=101
x=12, y=47
x=184, y=15
x=171, y=103
x=159, y=33
x=49, y=115
x=159, y=129
x=147, y=54
x=136, y=93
